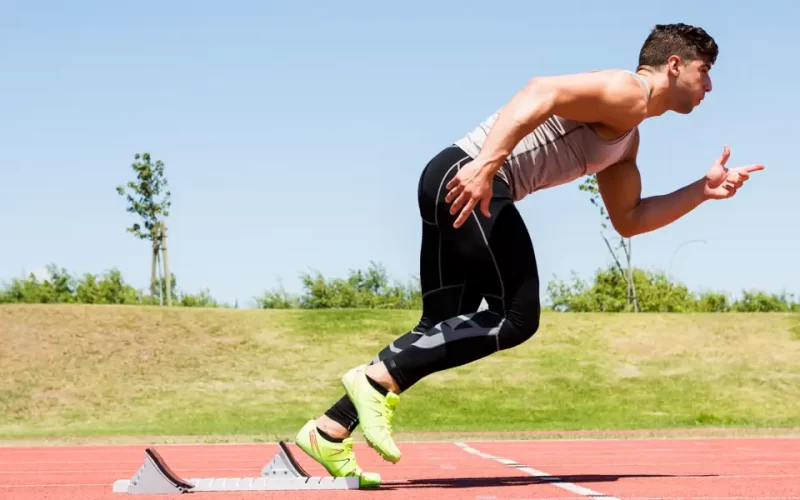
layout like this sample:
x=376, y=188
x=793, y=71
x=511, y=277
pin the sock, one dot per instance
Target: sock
x=378, y=387
x=327, y=437
x=344, y=413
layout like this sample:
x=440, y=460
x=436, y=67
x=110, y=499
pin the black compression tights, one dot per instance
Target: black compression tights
x=489, y=258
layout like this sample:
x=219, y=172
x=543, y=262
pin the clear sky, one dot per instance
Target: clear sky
x=294, y=133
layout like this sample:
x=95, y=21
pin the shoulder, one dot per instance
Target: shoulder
x=621, y=84
x=614, y=97
x=629, y=94
x=627, y=97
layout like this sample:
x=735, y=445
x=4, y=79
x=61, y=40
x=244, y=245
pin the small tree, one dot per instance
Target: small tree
x=148, y=199
x=590, y=186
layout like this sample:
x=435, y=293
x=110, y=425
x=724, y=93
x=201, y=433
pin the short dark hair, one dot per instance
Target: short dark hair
x=683, y=40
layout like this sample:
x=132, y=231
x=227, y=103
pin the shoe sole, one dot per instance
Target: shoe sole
x=370, y=442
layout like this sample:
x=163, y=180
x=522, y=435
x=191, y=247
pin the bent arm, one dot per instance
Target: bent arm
x=609, y=97
x=620, y=187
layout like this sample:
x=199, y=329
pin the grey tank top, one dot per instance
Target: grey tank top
x=556, y=152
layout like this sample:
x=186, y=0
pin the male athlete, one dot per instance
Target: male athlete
x=554, y=130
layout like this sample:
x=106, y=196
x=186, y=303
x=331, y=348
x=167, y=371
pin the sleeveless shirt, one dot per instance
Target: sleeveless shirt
x=557, y=152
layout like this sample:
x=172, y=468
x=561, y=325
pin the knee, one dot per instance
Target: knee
x=522, y=324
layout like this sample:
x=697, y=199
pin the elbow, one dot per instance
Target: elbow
x=628, y=221
x=537, y=100
x=625, y=227
x=626, y=232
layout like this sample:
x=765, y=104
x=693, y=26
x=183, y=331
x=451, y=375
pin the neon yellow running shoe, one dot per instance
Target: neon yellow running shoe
x=375, y=412
x=337, y=458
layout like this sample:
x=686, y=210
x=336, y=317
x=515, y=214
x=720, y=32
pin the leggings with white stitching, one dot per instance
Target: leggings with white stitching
x=486, y=258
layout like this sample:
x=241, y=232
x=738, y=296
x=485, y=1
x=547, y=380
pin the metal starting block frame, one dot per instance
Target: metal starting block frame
x=282, y=473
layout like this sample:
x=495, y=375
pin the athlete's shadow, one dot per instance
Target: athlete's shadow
x=488, y=482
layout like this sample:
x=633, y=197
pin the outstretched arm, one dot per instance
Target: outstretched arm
x=620, y=187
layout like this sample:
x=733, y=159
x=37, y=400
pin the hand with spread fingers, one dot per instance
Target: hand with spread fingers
x=722, y=182
x=470, y=186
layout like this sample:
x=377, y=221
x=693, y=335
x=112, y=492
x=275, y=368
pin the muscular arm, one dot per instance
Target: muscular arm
x=620, y=187
x=613, y=98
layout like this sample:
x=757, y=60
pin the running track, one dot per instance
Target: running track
x=696, y=469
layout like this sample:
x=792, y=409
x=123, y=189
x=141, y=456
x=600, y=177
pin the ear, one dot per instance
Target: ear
x=674, y=65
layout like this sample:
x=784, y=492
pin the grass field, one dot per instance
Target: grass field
x=139, y=371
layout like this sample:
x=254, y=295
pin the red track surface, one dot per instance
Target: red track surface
x=697, y=469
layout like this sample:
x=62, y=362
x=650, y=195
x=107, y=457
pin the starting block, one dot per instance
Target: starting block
x=282, y=473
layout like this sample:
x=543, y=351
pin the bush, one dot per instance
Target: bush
x=655, y=293
x=368, y=289
x=59, y=287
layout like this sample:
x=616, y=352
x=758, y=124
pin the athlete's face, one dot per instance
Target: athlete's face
x=690, y=83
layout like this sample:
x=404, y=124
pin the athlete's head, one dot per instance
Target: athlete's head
x=683, y=54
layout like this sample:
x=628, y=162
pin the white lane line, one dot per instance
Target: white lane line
x=555, y=481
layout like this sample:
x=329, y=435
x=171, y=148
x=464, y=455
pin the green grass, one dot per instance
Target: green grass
x=140, y=371
x=795, y=330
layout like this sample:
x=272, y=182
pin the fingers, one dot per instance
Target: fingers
x=737, y=178
x=455, y=188
x=456, y=205
x=740, y=175
x=454, y=181
x=451, y=195
x=462, y=217
x=485, y=205
x=466, y=202
x=726, y=153
x=465, y=190
x=752, y=168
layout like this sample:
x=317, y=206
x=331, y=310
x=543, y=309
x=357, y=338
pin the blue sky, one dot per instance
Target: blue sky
x=268, y=115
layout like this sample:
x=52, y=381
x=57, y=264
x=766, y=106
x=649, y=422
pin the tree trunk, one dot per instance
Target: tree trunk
x=167, y=277
x=154, y=239
x=622, y=272
x=613, y=255
x=160, y=281
x=631, y=284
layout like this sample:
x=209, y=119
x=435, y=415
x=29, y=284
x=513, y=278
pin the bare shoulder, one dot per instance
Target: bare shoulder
x=616, y=98
x=625, y=92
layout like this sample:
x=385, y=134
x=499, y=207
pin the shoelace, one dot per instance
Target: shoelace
x=389, y=407
x=348, y=448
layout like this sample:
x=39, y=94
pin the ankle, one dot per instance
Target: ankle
x=332, y=428
x=381, y=375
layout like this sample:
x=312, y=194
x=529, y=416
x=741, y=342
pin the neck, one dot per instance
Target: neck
x=658, y=104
